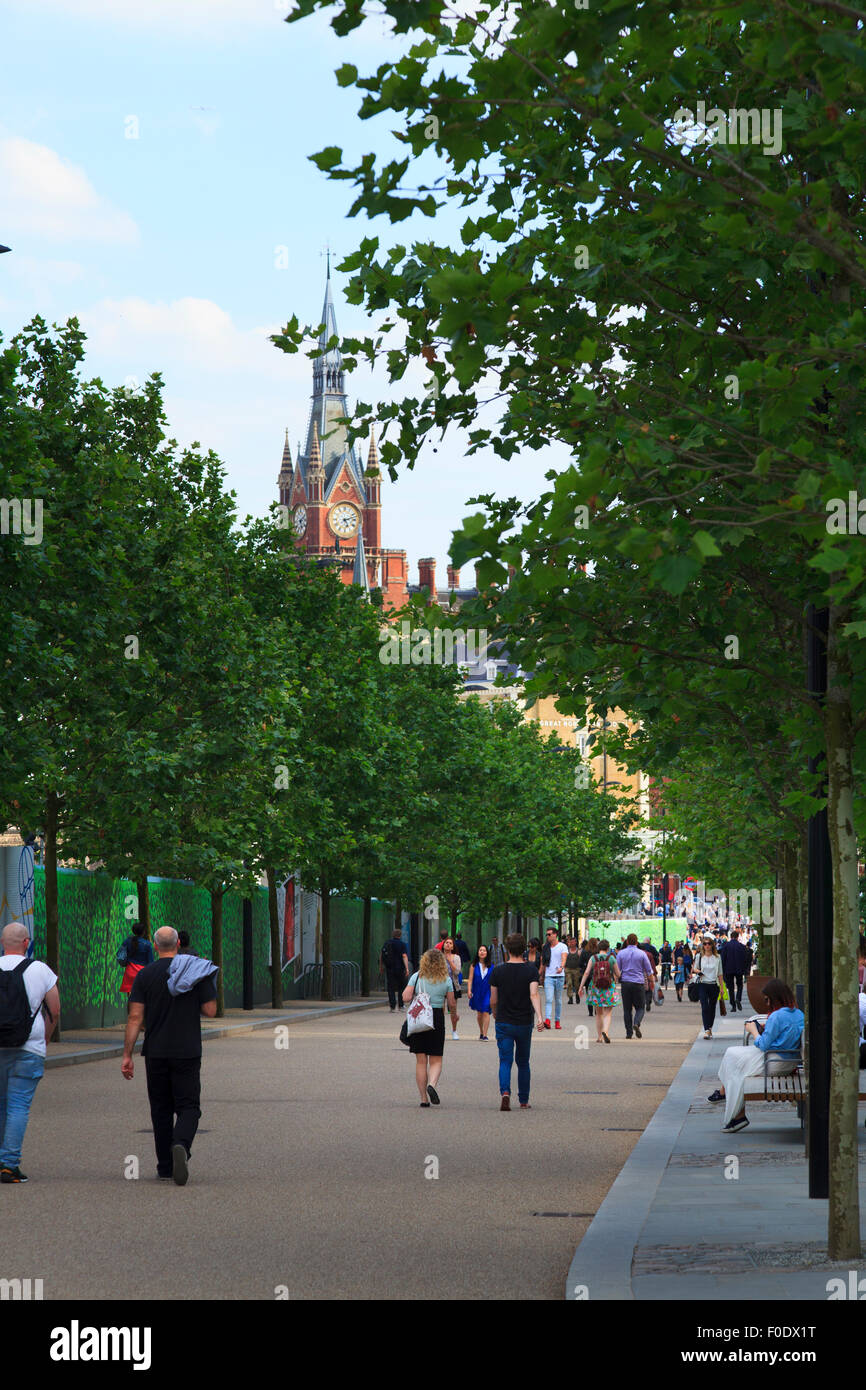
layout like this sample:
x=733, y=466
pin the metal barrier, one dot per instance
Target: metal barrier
x=345, y=980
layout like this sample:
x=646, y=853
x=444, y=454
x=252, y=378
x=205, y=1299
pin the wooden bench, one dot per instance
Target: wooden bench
x=788, y=1086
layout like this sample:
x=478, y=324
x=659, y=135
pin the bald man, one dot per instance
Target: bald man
x=172, y=1054
x=25, y=987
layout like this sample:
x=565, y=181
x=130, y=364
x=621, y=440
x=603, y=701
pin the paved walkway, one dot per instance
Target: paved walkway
x=316, y=1172
x=97, y=1044
x=760, y=1236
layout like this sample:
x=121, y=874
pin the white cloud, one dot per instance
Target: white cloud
x=144, y=336
x=48, y=196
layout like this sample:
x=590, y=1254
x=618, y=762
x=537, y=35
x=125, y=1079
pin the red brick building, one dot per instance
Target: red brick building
x=335, y=504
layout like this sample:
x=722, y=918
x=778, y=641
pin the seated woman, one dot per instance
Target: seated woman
x=781, y=1035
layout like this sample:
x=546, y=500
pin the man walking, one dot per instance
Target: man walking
x=652, y=955
x=736, y=964
x=172, y=1047
x=636, y=977
x=514, y=999
x=26, y=986
x=396, y=963
x=553, y=955
x=573, y=971
x=462, y=950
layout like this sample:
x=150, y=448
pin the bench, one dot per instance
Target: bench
x=782, y=1086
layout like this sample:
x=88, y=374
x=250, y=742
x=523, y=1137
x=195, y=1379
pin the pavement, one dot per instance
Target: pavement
x=95, y=1044
x=697, y=1214
x=316, y=1174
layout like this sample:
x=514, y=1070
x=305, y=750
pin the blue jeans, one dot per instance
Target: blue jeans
x=20, y=1072
x=511, y=1037
x=553, y=986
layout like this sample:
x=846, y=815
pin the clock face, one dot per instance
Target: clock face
x=343, y=519
x=299, y=517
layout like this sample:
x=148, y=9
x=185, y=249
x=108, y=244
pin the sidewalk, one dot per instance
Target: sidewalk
x=698, y=1214
x=95, y=1044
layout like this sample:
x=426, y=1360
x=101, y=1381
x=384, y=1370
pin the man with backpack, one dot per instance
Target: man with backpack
x=25, y=986
x=396, y=965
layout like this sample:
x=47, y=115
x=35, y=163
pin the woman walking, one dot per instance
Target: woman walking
x=433, y=978
x=134, y=954
x=584, y=956
x=603, y=973
x=479, y=990
x=707, y=970
x=532, y=956
x=455, y=965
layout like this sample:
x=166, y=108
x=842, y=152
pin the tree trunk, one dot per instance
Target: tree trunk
x=479, y=927
x=454, y=914
x=276, y=949
x=843, y=1223
x=366, y=934
x=326, y=939
x=52, y=914
x=803, y=902
x=144, y=906
x=796, y=903
x=216, y=945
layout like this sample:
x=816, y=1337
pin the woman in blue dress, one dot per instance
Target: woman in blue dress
x=479, y=990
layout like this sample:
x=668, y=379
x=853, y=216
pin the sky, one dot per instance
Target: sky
x=155, y=182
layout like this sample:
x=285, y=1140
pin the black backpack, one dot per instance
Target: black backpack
x=16, y=1020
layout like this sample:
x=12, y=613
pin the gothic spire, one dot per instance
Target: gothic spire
x=359, y=573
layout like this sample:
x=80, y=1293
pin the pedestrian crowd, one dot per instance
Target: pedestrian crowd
x=558, y=973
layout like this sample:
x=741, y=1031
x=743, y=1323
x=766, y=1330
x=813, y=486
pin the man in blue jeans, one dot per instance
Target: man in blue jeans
x=514, y=999
x=553, y=957
x=21, y=1067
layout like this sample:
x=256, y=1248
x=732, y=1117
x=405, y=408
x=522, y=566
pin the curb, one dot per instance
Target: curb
x=100, y=1052
x=602, y=1262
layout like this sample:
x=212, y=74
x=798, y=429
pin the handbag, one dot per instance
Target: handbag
x=419, y=1015
x=723, y=1008
x=694, y=991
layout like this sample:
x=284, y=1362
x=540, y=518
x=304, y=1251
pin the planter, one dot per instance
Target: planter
x=754, y=989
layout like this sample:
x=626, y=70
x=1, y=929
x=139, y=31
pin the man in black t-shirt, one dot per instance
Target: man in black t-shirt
x=396, y=965
x=171, y=1051
x=513, y=1000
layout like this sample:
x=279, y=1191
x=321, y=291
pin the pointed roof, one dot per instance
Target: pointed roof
x=359, y=573
x=373, y=453
x=329, y=323
x=315, y=462
x=329, y=404
x=286, y=465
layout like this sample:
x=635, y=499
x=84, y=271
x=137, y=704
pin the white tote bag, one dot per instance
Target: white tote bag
x=419, y=1015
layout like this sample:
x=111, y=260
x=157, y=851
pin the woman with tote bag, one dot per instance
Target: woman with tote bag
x=433, y=978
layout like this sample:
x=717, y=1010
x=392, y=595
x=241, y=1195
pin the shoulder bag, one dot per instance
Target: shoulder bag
x=419, y=1015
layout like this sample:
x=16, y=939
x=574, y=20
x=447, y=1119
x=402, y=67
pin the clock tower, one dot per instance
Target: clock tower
x=334, y=502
